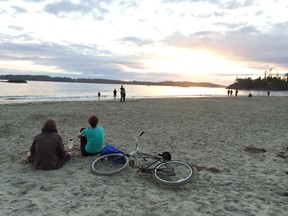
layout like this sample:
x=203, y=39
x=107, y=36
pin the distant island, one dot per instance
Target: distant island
x=106, y=81
x=267, y=83
x=17, y=81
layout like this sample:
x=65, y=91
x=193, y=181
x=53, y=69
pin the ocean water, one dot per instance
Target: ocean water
x=63, y=91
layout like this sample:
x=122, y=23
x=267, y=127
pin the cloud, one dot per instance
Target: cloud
x=70, y=58
x=136, y=41
x=244, y=44
x=19, y=9
x=37, y=1
x=16, y=28
x=65, y=8
x=2, y=11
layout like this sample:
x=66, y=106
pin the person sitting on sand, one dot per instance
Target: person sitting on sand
x=47, y=150
x=91, y=138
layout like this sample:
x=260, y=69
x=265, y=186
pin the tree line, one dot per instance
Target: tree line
x=105, y=81
x=269, y=82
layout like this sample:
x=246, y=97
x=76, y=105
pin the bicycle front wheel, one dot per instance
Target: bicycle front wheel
x=110, y=164
x=173, y=173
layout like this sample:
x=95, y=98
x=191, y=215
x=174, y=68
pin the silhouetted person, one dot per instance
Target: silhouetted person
x=122, y=93
x=228, y=92
x=114, y=93
x=236, y=92
x=99, y=95
x=250, y=95
x=268, y=93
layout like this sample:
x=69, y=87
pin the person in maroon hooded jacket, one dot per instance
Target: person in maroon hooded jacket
x=47, y=150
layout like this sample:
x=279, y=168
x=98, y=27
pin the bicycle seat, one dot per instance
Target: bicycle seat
x=166, y=155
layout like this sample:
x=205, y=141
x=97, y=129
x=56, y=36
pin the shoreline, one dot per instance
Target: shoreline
x=110, y=98
x=80, y=92
x=211, y=133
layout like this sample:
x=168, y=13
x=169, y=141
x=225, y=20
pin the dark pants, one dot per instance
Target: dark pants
x=83, y=143
x=122, y=99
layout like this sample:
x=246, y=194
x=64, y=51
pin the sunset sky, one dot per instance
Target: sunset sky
x=180, y=40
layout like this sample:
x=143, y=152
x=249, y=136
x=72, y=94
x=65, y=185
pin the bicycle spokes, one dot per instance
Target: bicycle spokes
x=173, y=173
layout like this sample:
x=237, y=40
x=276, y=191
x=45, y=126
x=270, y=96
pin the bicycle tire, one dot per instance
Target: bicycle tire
x=110, y=164
x=173, y=173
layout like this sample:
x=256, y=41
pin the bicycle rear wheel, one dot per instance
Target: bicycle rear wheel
x=173, y=173
x=110, y=164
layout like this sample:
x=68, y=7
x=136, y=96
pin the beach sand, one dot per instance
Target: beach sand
x=210, y=133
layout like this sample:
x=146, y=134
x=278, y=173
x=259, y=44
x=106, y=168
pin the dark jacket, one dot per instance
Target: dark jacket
x=47, y=150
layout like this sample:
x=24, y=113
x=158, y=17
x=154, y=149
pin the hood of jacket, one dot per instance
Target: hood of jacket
x=49, y=125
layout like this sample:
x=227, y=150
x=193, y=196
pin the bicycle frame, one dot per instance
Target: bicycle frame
x=144, y=156
x=136, y=155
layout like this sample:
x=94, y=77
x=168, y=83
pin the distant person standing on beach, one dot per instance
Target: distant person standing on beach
x=268, y=93
x=99, y=95
x=236, y=92
x=47, y=150
x=114, y=93
x=122, y=93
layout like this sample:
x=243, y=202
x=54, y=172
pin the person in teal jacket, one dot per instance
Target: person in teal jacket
x=92, y=138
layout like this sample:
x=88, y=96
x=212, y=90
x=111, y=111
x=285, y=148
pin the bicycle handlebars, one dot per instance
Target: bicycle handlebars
x=136, y=143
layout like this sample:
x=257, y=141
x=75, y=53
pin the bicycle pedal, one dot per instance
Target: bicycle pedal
x=132, y=163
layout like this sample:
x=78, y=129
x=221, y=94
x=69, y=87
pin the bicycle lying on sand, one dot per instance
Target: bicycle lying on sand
x=163, y=169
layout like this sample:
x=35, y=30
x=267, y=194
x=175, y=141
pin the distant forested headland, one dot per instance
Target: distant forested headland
x=105, y=81
x=267, y=83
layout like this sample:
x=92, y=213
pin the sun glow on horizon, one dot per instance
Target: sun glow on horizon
x=189, y=62
x=179, y=64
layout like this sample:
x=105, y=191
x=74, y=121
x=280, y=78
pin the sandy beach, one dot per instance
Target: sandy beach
x=216, y=135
